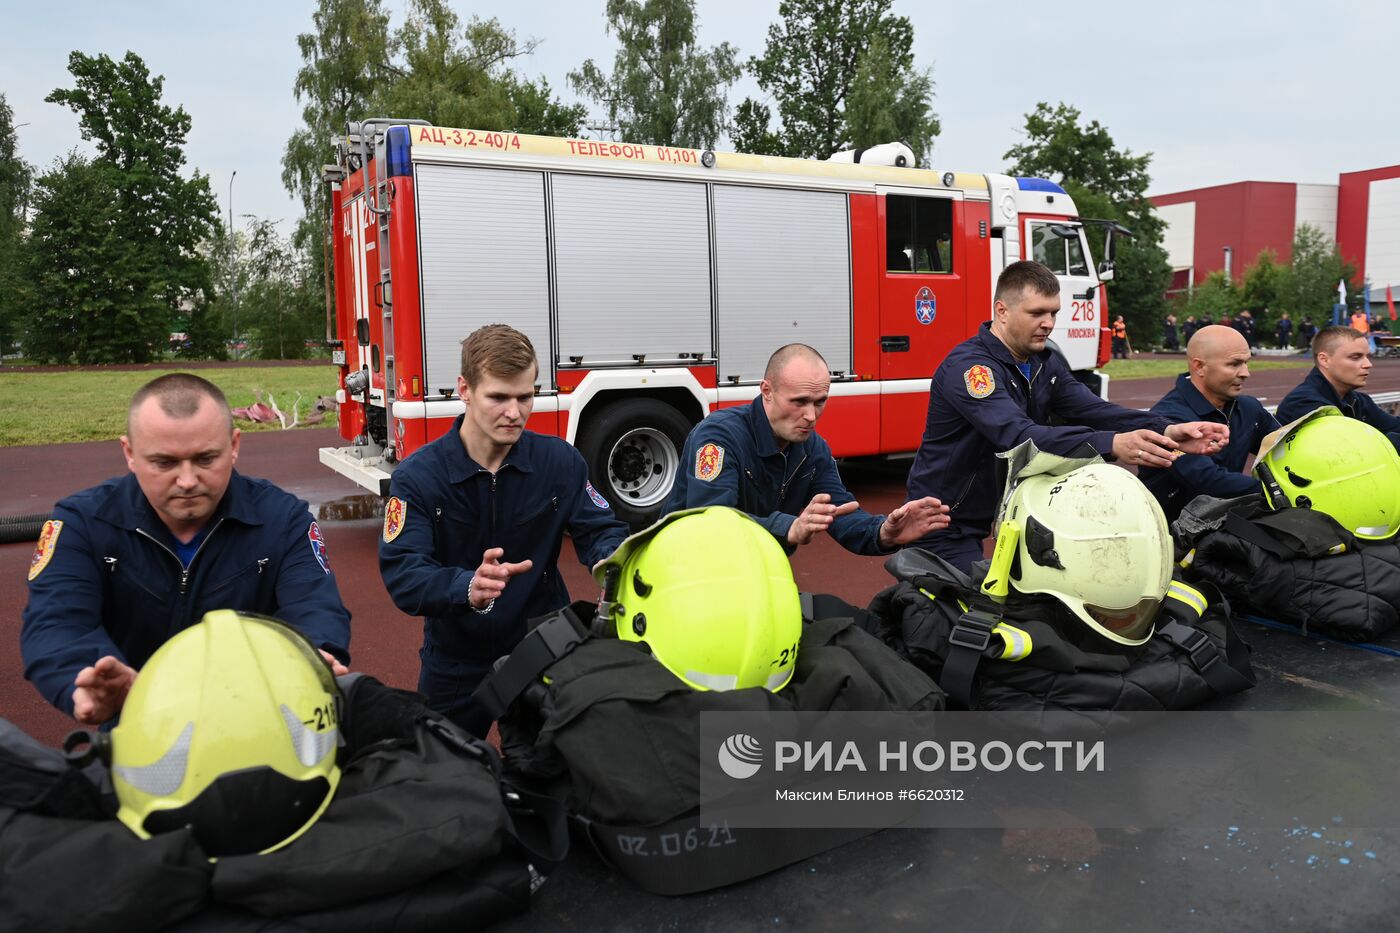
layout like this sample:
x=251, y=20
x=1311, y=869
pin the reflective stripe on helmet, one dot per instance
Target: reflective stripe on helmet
x=310, y=746
x=163, y=776
x=712, y=681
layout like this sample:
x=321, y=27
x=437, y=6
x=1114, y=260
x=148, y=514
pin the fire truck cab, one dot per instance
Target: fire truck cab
x=655, y=282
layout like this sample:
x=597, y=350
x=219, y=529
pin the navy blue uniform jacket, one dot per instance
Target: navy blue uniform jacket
x=454, y=511
x=114, y=585
x=1220, y=473
x=771, y=485
x=957, y=460
x=1315, y=391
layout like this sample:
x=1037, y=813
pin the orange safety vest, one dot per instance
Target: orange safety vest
x=1359, y=322
x=1120, y=330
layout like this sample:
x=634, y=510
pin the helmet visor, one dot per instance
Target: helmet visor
x=1131, y=626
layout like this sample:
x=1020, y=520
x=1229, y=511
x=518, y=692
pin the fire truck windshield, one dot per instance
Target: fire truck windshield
x=1063, y=255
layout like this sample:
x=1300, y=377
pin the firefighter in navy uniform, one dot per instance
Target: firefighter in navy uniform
x=767, y=460
x=1001, y=387
x=1078, y=610
x=1342, y=361
x=123, y=566
x=1213, y=390
x=700, y=613
x=474, y=524
x=248, y=788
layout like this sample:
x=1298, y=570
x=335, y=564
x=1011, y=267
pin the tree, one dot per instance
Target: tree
x=885, y=104
x=1108, y=184
x=161, y=217
x=343, y=62
x=1216, y=298
x=281, y=300
x=811, y=64
x=751, y=131
x=1263, y=290
x=16, y=177
x=430, y=68
x=1316, y=269
x=344, y=59
x=663, y=89
x=76, y=312
x=460, y=76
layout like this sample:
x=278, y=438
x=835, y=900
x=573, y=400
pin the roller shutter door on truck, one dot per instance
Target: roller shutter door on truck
x=784, y=274
x=485, y=260
x=632, y=260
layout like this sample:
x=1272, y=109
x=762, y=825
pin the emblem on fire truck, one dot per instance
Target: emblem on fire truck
x=925, y=306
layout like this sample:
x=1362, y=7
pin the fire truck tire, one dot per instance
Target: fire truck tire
x=633, y=450
x=21, y=528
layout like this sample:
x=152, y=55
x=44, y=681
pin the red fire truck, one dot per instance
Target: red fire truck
x=655, y=282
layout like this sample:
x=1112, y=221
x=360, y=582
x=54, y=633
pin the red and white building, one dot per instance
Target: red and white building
x=1226, y=226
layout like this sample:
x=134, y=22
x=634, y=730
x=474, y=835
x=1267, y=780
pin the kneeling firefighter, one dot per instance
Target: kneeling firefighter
x=699, y=614
x=1078, y=609
x=250, y=784
x=1320, y=549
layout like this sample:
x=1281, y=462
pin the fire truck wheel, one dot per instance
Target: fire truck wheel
x=633, y=449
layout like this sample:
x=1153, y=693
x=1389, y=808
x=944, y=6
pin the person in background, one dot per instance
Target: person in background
x=1307, y=330
x=1283, y=331
x=1361, y=323
x=1169, y=334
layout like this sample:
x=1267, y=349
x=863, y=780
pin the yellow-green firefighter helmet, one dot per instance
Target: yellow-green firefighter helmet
x=711, y=593
x=231, y=728
x=1096, y=540
x=1339, y=466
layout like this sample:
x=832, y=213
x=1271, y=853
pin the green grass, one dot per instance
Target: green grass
x=1154, y=369
x=90, y=405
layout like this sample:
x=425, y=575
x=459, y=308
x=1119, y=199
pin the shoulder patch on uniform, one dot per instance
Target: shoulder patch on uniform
x=596, y=496
x=43, y=551
x=318, y=546
x=979, y=381
x=709, y=460
x=395, y=514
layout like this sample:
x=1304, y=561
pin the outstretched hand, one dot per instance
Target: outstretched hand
x=1200, y=437
x=490, y=579
x=817, y=518
x=101, y=690
x=1145, y=448
x=912, y=521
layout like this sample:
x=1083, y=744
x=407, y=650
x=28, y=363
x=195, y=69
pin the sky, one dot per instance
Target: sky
x=1218, y=92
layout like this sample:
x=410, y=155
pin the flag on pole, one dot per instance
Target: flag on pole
x=1341, y=291
x=1390, y=302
